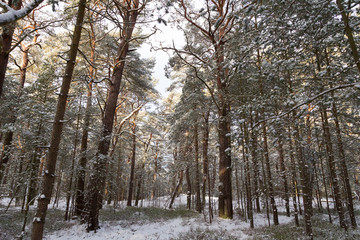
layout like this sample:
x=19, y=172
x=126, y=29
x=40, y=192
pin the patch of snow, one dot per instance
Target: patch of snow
x=12, y=15
x=150, y=230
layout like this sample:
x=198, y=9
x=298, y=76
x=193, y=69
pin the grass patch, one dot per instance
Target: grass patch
x=144, y=214
x=55, y=221
x=321, y=230
x=11, y=223
x=204, y=234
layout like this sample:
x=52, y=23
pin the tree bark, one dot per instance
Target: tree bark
x=344, y=168
x=341, y=151
x=181, y=176
x=305, y=178
x=197, y=170
x=49, y=176
x=225, y=186
x=187, y=154
x=97, y=178
x=81, y=171
x=70, y=184
x=283, y=174
x=323, y=175
x=293, y=178
x=5, y=45
x=206, y=173
x=332, y=167
x=247, y=176
x=255, y=163
x=132, y=167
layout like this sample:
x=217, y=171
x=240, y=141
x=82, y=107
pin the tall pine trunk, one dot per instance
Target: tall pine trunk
x=293, y=178
x=225, y=186
x=245, y=146
x=197, y=170
x=305, y=179
x=255, y=163
x=132, y=165
x=97, y=178
x=332, y=168
x=5, y=46
x=81, y=169
x=49, y=176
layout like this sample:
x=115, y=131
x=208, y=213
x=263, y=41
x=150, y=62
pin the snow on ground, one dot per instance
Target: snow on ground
x=159, y=229
x=151, y=230
x=162, y=230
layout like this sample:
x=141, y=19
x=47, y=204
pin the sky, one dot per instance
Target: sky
x=166, y=35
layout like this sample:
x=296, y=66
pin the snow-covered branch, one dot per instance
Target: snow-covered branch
x=12, y=15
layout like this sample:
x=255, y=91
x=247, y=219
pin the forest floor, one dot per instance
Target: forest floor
x=153, y=221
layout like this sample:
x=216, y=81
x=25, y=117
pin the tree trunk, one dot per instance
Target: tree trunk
x=132, y=167
x=97, y=178
x=293, y=178
x=265, y=146
x=118, y=178
x=225, y=189
x=5, y=154
x=139, y=185
x=49, y=176
x=247, y=177
x=188, y=187
x=5, y=45
x=255, y=163
x=81, y=170
x=323, y=176
x=69, y=190
x=206, y=173
x=332, y=167
x=205, y=146
x=344, y=168
x=269, y=177
x=197, y=170
x=283, y=174
x=304, y=178
x=156, y=169
x=340, y=145
x=181, y=176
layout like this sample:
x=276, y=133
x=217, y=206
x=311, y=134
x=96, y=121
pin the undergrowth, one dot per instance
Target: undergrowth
x=321, y=230
x=204, y=234
x=12, y=221
x=144, y=214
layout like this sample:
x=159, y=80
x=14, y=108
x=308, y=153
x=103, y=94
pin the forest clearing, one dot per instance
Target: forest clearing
x=153, y=220
x=179, y=119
